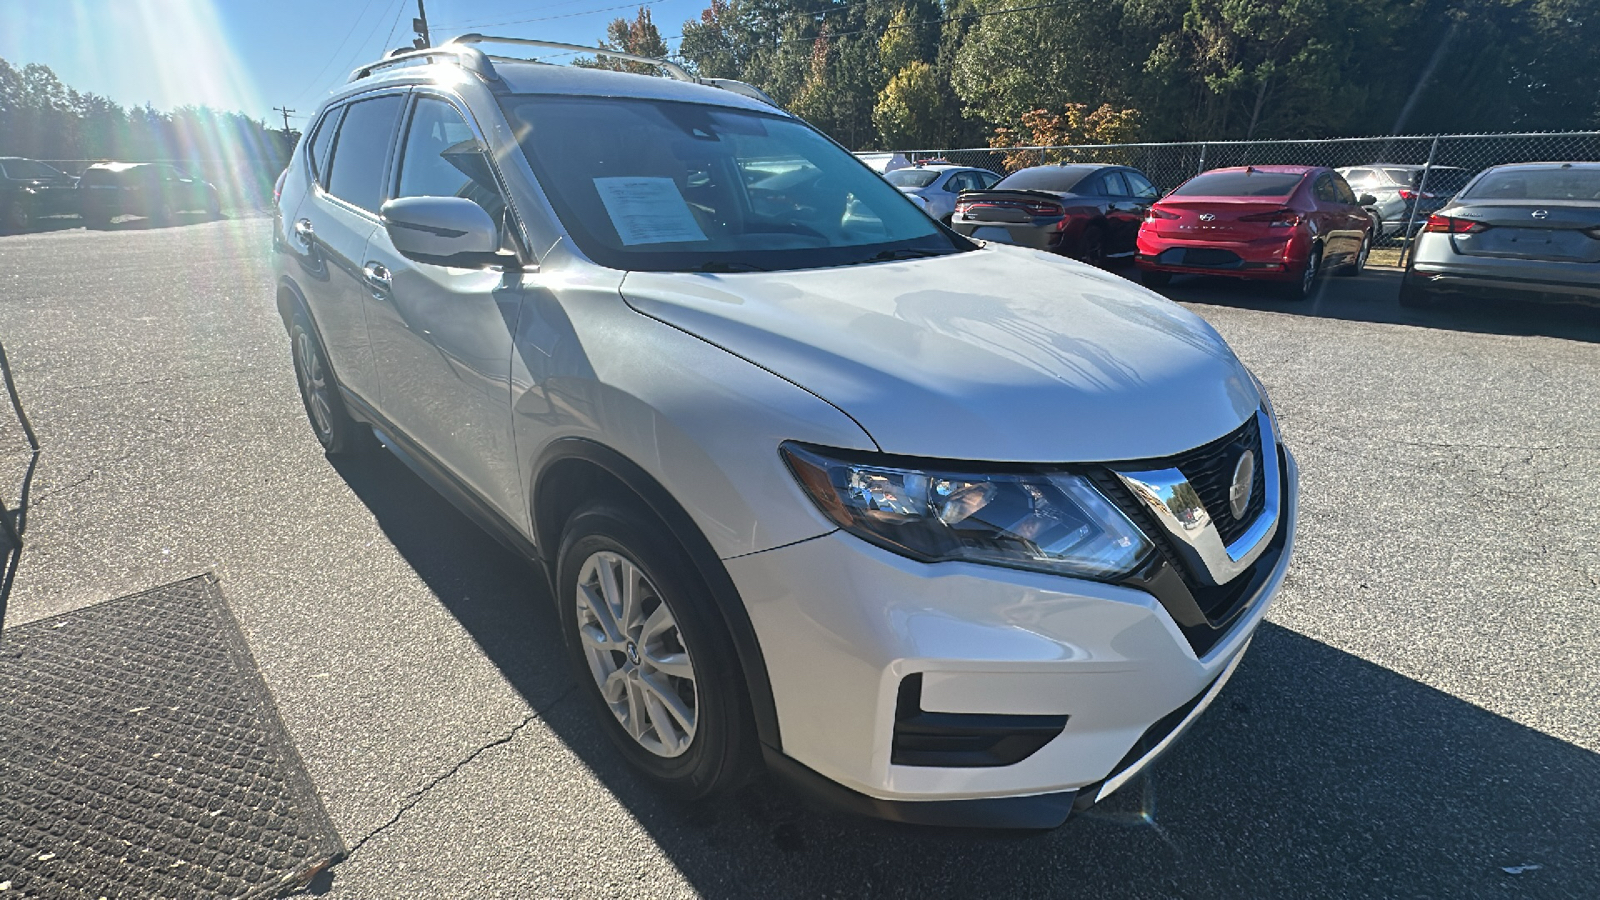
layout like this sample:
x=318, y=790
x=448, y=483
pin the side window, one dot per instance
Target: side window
x=361, y=149
x=1361, y=178
x=1141, y=186
x=961, y=181
x=322, y=139
x=1324, y=189
x=1116, y=185
x=442, y=158
x=1342, y=188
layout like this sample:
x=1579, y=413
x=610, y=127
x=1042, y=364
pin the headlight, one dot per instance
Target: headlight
x=1046, y=521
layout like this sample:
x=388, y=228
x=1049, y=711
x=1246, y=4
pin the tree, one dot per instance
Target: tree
x=638, y=37
x=907, y=113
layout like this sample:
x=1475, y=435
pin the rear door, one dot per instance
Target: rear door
x=331, y=229
x=442, y=337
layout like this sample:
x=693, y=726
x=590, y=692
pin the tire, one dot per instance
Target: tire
x=687, y=725
x=162, y=213
x=15, y=217
x=1301, y=288
x=1155, y=280
x=336, y=431
x=1359, y=264
x=96, y=221
x=1092, y=246
x=213, y=207
x=1414, y=295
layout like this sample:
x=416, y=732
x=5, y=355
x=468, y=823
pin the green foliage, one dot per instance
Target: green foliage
x=1193, y=69
x=638, y=37
x=908, y=109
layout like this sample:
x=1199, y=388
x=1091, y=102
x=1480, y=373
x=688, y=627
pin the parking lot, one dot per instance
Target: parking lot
x=1419, y=717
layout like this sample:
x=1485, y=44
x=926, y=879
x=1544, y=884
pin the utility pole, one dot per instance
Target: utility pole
x=285, y=111
x=420, y=26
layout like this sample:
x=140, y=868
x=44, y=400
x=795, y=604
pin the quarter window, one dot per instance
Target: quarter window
x=318, y=156
x=361, y=150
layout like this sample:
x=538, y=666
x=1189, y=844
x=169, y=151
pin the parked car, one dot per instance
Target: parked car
x=1085, y=210
x=946, y=532
x=1525, y=231
x=154, y=190
x=1273, y=223
x=883, y=163
x=1398, y=192
x=29, y=190
x=938, y=184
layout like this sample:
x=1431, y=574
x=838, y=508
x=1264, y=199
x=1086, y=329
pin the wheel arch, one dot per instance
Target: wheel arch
x=574, y=470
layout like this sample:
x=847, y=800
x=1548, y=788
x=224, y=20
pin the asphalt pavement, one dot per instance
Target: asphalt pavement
x=1419, y=717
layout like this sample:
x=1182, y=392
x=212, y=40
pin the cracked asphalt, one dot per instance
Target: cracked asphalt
x=1420, y=716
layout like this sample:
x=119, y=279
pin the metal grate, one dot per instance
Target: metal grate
x=144, y=758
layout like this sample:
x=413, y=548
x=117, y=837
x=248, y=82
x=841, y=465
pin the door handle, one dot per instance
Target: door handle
x=378, y=277
x=304, y=231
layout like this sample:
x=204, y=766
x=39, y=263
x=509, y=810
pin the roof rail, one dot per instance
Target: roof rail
x=470, y=58
x=461, y=51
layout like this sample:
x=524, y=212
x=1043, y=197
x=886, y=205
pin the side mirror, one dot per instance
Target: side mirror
x=443, y=231
x=1367, y=200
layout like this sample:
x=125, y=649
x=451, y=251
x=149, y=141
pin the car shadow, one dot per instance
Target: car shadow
x=45, y=224
x=1316, y=773
x=1374, y=295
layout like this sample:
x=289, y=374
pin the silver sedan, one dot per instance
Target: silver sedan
x=1529, y=230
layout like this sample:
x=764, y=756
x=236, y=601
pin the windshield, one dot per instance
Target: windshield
x=27, y=168
x=1241, y=184
x=911, y=178
x=1041, y=178
x=1538, y=184
x=665, y=186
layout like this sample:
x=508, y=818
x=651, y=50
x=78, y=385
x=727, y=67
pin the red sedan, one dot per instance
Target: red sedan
x=1270, y=223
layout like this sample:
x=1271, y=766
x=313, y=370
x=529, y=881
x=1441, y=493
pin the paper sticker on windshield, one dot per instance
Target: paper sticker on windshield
x=648, y=210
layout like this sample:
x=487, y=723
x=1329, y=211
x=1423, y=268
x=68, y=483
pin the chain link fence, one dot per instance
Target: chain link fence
x=1408, y=176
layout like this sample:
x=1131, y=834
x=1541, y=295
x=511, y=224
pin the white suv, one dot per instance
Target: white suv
x=948, y=532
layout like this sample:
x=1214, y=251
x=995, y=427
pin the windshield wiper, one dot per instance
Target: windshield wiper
x=902, y=253
x=713, y=266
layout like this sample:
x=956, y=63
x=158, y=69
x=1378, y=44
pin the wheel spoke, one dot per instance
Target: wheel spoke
x=635, y=722
x=670, y=703
x=676, y=665
x=631, y=618
x=660, y=621
x=595, y=602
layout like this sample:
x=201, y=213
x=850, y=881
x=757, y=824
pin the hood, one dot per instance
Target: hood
x=995, y=354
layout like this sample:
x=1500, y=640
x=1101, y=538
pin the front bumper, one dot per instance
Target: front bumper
x=842, y=624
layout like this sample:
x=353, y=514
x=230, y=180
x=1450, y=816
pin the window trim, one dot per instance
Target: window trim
x=520, y=236
x=330, y=118
x=388, y=160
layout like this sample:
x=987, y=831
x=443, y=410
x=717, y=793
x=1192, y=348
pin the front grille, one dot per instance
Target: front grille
x=1204, y=612
x=1210, y=471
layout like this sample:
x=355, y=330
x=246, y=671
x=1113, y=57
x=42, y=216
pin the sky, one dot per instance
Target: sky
x=253, y=55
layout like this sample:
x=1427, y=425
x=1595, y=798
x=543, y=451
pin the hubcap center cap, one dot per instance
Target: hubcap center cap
x=633, y=653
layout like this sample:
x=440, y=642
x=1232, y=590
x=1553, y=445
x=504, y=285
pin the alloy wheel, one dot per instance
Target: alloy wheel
x=636, y=654
x=314, y=384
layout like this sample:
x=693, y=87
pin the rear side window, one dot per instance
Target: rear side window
x=1042, y=178
x=1325, y=190
x=323, y=139
x=1116, y=185
x=1141, y=186
x=27, y=168
x=1343, y=191
x=361, y=149
x=1241, y=184
x=1361, y=178
x=442, y=158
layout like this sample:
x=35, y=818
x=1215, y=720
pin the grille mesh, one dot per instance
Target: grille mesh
x=1210, y=470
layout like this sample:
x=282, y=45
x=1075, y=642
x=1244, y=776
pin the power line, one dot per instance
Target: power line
x=285, y=110
x=635, y=5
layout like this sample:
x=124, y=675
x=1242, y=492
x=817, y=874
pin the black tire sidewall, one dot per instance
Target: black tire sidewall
x=719, y=755
x=346, y=435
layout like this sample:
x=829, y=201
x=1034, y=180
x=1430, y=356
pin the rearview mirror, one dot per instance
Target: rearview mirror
x=443, y=231
x=1367, y=200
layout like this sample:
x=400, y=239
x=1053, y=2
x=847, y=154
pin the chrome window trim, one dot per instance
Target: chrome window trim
x=1176, y=506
